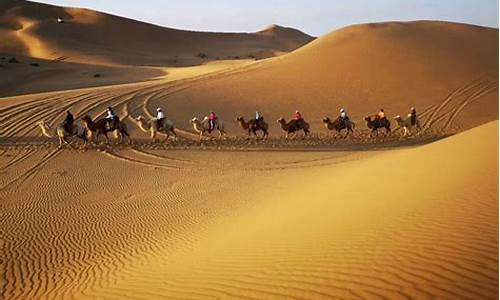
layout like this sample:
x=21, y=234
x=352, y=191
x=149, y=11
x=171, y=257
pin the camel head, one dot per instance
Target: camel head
x=41, y=123
x=368, y=119
x=326, y=120
x=281, y=120
x=139, y=118
x=194, y=120
x=205, y=119
x=239, y=119
x=398, y=118
x=86, y=118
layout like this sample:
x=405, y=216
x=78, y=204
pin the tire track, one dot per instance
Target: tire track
x=457, y=92
x=18, y=159
x=474, y=97
x=114, y=155
x=33, y=170
x=156, y=156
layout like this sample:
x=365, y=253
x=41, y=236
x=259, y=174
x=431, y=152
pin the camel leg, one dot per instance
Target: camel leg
x=172, y=132
x=152, y=135
x=63, y=140
x=119, y=135
x=66, y=142
x=419, y=128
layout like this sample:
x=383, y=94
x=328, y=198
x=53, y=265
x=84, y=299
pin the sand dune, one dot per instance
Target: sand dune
x=197, y=225
x=452, y=90
x=31, y=29
x=315, y=218
x=448, y=71
x=47, y=75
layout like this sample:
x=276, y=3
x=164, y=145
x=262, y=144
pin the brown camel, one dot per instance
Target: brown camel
x=252, y=126
x=376, y=124
x=339, y=125
x=293, y=126
x=100, y=127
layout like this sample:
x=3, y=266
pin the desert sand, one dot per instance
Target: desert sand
x=384, y=217
x=148, y=224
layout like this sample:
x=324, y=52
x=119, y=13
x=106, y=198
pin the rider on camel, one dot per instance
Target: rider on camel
x=160, y=117
x=110, y=118
x=212, y=121
x=343, y=116
x=68, y=122
x=413, y=116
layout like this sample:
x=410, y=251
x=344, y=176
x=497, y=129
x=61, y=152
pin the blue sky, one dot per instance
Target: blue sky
x=315, y=17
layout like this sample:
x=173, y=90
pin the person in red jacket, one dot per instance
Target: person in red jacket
x=298, y=116
x=212, y=121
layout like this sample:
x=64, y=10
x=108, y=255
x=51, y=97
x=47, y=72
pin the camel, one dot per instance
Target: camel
x=100, y=127
x=152, y=127
x=293, y=126
x=406, y=124
x=377, y=124
x=339, y=125
x=202, y=126
x=61, y=133
x=252, y=127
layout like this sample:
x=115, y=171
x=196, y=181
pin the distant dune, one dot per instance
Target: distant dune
x=88, y=36
x=31, y=75
x=448, y=71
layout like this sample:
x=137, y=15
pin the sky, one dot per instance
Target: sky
x=315, y=17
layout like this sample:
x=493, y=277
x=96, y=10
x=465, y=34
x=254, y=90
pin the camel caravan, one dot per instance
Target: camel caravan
x=91, y=130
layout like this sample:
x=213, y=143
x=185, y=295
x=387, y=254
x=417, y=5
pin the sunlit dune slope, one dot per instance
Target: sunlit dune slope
x=448, y=71
x=417, y=223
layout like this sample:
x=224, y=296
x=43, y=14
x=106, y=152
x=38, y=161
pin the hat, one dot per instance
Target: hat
x=158, y=109
x=341, y=110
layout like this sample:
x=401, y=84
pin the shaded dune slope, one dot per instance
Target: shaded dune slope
x=31, y=29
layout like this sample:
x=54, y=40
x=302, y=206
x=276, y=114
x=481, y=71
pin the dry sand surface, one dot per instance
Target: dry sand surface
x=139, y=224
x=364, y=217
